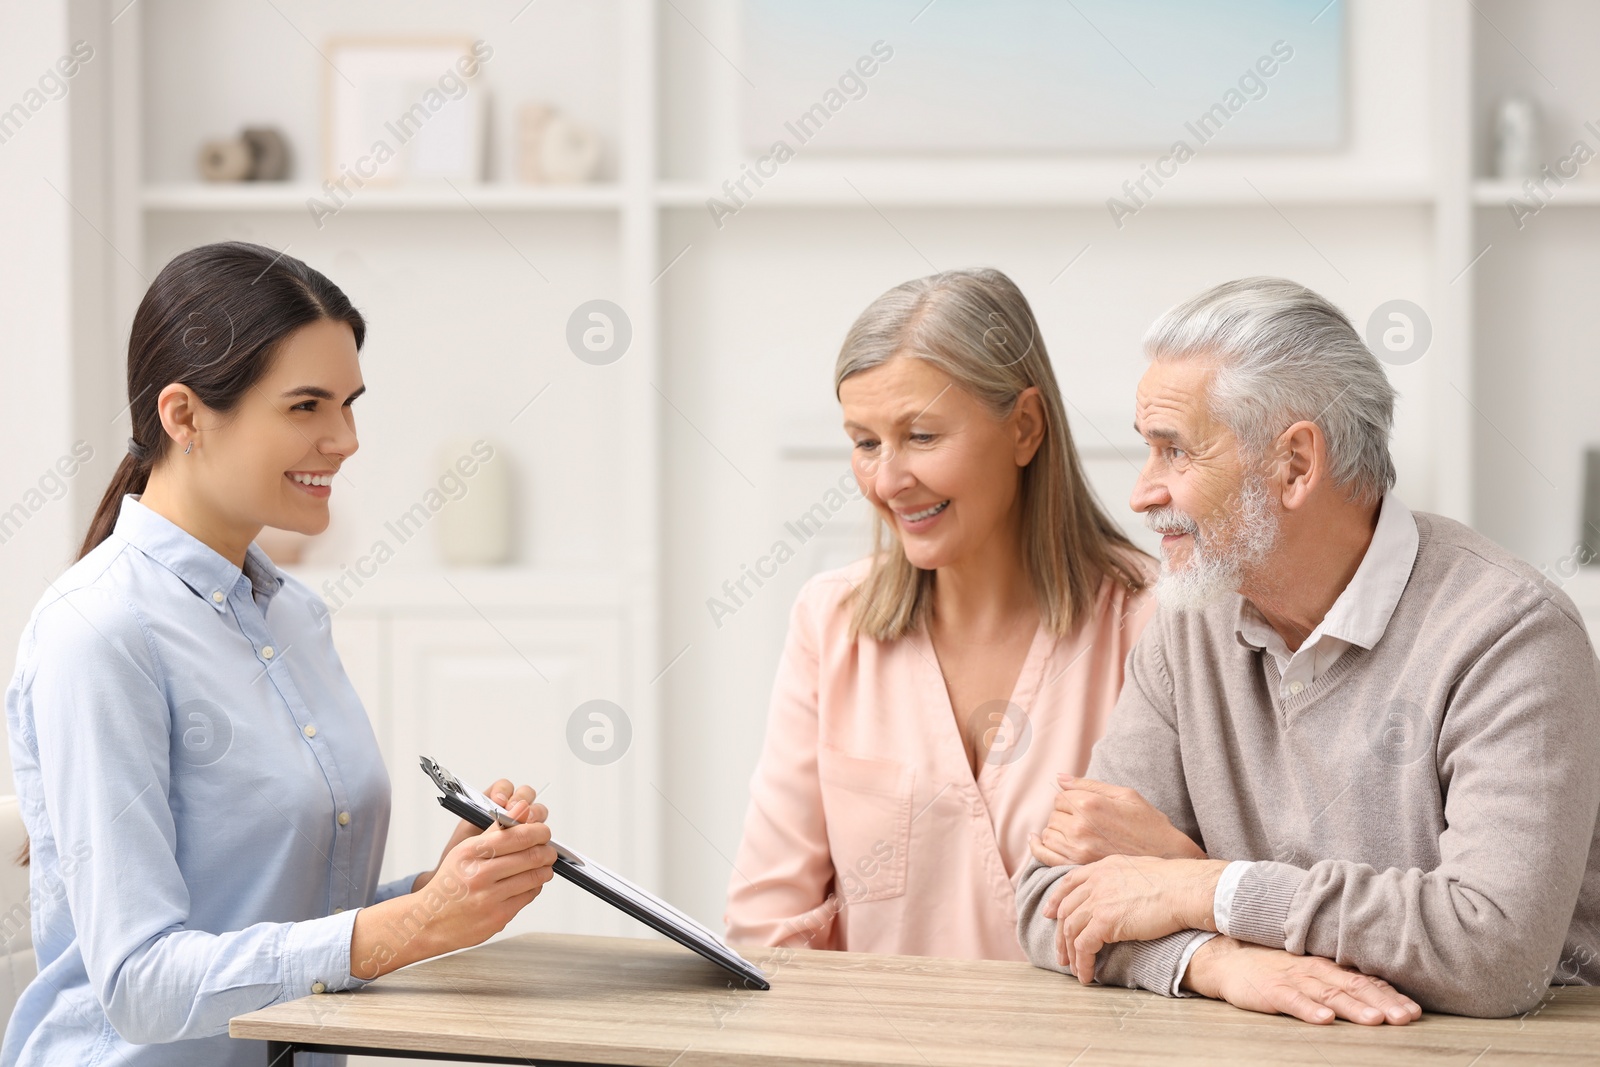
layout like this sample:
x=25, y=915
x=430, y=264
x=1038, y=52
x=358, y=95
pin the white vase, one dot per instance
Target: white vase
x=475, y=521
x=1516, y=139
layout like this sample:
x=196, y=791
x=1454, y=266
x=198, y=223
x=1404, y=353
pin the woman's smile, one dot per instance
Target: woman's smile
x=313, y=483
x=920, y=519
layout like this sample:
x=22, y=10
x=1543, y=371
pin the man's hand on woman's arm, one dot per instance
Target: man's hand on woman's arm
x=1093, y=820
x=1128, y=898
x=1311, y=988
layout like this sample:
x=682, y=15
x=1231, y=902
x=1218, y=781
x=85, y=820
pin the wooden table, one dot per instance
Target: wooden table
x=560, y=999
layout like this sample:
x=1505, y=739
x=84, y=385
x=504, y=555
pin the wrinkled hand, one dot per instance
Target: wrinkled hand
x=517, y=800
x=1128, y=898
x=1311, y=988
x=1093, y=820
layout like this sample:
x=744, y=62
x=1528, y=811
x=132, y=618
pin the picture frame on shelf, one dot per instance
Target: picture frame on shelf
x=404, y=111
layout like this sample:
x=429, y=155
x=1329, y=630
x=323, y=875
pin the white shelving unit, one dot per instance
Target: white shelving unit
x=276, y=196
x=1538, y=383
x=1025, y=186
x=1497, y=193
x=671, y=469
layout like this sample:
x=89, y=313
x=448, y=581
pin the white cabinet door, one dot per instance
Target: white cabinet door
x=491, y=695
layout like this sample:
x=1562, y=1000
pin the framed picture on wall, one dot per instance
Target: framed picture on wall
x=404, y=111
x=1040, y=76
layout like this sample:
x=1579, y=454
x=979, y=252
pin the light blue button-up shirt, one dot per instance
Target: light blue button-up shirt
x=206, y=801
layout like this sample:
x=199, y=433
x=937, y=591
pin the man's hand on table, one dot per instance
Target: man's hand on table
x=1140, y=878
x=1311, y=988
x=1093, y=820
x=1128, y=898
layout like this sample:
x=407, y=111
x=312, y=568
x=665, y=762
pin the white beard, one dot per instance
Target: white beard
x=1215, y=571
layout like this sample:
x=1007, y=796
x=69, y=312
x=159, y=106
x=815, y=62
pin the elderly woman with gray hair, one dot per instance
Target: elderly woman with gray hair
x=1383, y=729
x=930, y=694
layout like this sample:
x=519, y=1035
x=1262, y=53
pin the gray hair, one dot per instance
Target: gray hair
x=977, y=327
x=1285, y=354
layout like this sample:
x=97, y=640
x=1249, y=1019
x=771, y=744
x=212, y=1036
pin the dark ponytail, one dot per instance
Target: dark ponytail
x=212, y=320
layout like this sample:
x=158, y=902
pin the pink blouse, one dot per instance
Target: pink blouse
x=866, y=829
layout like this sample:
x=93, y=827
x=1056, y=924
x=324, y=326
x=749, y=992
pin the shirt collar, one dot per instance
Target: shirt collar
x=1363, y=609
x=207, y=573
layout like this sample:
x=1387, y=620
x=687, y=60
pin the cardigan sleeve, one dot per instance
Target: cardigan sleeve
x=1140, y=750
x=1481, y=933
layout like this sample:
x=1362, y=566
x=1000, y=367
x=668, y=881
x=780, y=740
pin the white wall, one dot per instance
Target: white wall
x=36, y=305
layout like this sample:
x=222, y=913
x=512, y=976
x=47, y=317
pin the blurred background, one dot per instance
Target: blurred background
x=613, y=246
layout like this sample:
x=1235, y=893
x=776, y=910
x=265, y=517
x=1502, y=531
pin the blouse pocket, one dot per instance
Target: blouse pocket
x=867, y=807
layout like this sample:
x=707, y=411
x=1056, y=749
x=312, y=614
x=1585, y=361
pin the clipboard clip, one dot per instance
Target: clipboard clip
x=447, y=782
x=451, y=787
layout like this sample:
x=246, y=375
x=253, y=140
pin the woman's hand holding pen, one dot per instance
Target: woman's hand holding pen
x=517, y=800
x=483, y=879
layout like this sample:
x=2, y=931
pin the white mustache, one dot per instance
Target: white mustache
x=1170, y=521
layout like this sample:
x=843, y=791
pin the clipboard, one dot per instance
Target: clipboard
x=473, y=806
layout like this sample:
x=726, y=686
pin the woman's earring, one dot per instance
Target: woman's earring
x=187, y=447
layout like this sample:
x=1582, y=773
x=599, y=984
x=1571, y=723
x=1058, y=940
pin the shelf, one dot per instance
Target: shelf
x=1495, y=193
x=929, y=188
x=285, y=196
x=878, y=185
x=469, y=589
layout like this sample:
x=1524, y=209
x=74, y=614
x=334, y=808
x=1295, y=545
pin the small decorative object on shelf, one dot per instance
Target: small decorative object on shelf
x=226, y=159
x=1516, y=139
x=269, y=153
x=259, y=154
x=552, y=149
x=406, y=111
x=531, y=121
x=475, y=515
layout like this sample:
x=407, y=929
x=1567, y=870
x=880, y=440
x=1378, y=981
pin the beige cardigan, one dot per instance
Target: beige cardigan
x=1424, y=811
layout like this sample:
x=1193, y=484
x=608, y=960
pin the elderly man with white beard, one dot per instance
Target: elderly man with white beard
x=1354, y=771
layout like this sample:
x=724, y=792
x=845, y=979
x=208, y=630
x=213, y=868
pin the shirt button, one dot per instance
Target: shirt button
x=318, y=987
x=266, y=652
x=219, y=596
x=1295, y=687
x=344, y=818
x=338, y=911
x=309, y=730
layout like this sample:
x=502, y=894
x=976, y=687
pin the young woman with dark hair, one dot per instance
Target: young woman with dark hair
x=204, y=796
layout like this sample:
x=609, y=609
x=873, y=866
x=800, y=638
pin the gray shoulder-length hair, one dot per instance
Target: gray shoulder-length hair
x=976, y=326
x=1285, y=354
